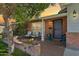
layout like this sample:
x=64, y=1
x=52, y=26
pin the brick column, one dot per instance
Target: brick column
x=72, y=40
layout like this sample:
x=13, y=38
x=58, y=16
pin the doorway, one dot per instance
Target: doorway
x=57, y=32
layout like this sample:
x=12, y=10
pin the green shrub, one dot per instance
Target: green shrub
x=4, y=50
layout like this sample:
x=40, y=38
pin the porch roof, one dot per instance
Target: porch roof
x=50, y=17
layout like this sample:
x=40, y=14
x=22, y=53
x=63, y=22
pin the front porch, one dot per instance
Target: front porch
x=45, y=48
x=55, y=25
x=53, y=48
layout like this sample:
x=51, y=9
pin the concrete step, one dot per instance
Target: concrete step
x=71, y=52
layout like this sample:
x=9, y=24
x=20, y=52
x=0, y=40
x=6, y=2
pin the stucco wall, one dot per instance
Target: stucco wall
x=72, y=23
x=37, y=26
x=72, y=35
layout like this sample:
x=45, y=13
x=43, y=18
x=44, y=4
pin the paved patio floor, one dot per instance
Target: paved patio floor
x=53, y=48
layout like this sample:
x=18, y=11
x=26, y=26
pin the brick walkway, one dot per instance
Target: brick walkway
x=54, y=48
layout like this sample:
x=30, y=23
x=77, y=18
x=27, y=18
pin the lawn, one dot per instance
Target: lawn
x=4, y=51
x=3, y=48
x=18, y=52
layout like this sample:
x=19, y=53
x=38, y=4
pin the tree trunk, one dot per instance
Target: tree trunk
x=8, y=36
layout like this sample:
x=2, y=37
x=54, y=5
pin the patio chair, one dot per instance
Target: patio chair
x=37, y=35
x=29, y=33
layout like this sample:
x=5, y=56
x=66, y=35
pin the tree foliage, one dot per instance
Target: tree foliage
x=22, y=12
x=7, y=9
x=27, y=11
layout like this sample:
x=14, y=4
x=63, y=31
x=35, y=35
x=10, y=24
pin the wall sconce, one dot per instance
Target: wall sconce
x=74, y=13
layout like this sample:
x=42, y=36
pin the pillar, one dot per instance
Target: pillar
x=43, y=27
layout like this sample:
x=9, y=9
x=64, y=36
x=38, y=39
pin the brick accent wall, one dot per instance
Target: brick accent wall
x=72, y=40
x=64, y=25
x=47, y=25
x=29, y=26
x=64, y=22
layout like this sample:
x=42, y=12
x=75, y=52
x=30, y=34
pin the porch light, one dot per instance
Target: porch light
x=74, y=13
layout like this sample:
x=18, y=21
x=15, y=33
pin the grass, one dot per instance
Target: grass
x=3, y=48
x=18, y=52
x=4, y=51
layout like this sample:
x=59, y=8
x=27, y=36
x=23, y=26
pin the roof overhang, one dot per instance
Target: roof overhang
x=55, y=16
x=50, y=17
x=64, y=5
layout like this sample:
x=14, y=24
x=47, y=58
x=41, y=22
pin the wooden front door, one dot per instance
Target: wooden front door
x=57, y=29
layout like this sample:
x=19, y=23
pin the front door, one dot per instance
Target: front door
x=57, y=29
